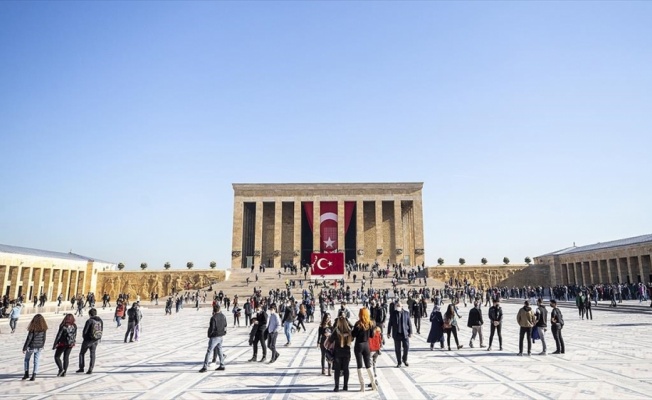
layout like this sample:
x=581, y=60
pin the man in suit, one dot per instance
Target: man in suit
x=400, y=329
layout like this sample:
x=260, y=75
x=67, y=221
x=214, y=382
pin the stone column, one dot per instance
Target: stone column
x=418, y=231
x=640, y=268
x=278, y=230
x=258, y=234
x=297, y=232
x=236, y=244
x=341, y=224
x=316, y=236
x=359, y=231
x=379, y=233
x=398, y=231
x=621, y=276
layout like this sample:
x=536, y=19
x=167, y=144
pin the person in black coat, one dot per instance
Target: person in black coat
x=64, y=342
x=400, y=329
x=436, y=333
x=34, y=343
x=475, y=322
x=257, y=334
x=91, y=334
x=417, y=313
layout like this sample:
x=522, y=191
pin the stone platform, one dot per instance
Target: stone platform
x=608, y=357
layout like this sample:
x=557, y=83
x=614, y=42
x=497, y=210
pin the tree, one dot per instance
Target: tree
x=528, y=260
x=213, y=264
x=506, y=260
x=462, y=261
x=189, y=264
x=143, y=266
x=121, y=266
x=483, y=261
x=167, y=265
x=440, y=261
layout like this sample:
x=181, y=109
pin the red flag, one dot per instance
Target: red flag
x=328, y=226
x=327, y=265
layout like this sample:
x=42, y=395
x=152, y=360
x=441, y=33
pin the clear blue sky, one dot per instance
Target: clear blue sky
x=123, y=124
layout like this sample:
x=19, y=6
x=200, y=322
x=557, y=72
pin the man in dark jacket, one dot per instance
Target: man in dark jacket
x=92, y=334
x=541, y=315
x=216, y=333
x=401, y=327
x=133, y=315
x=417, y=313
x=475, y=322
x=557, y=324
x=496, y=318
x=258, y=333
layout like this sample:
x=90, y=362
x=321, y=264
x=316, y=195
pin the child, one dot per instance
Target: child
x=34, y=343
x=374, y=346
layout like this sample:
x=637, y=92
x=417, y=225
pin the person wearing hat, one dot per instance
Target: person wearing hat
x=400, y=329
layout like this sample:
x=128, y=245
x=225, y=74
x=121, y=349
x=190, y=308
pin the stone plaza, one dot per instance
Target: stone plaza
x=607, y=357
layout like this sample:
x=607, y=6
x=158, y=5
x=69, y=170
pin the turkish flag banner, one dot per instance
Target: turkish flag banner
x=328, y=226
x=327, y=265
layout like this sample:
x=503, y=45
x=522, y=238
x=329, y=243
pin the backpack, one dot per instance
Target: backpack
x=96, y=330
x=68, y=337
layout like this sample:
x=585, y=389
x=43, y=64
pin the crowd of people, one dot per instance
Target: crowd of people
x=394, y=313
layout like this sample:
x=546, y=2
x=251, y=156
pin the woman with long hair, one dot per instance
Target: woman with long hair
x=341, y=337
x=34, y=343
x=450, y=325
x=64, y=342
x=325, y=329
x=362, y=331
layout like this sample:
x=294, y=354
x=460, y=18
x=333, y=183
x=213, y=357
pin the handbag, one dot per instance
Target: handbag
x=447, y=323
x=329, y=349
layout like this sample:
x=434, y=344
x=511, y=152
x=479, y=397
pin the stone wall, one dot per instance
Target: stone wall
x=493, y=275
x=143, y=283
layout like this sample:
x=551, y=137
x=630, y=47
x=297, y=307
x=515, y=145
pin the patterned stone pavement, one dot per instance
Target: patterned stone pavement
x=608, y=357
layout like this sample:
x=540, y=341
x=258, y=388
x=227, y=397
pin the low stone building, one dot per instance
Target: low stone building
x=32, y=272
x=618, y=261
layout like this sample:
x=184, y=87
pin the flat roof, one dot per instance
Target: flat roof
x=602, y=245
x=292, y=189
x=26, y=251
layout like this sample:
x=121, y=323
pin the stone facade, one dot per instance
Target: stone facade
x=143, y=283
x=485, y=276
x=32, y=272
x=620, y=261
x=270, y=226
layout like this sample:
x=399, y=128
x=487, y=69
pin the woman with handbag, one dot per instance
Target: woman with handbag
x=325, y=328
x=450, y=326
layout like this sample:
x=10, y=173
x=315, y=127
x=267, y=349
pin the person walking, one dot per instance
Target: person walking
x=557, y=324
x=14, y=315
x=257, y=335
x=324, y=331
x=436, y=333
x=64, y=342
x=496, y=318
x=363, y=330
x=475, y=322
x=34, y=344
x=216, y=333
x=92, y=334
x=541, y=316
x=526, y=320
x=400, y=329
x=273, y=328
x=288, y=321
x=301, y=316
x=133, y=318
x=450, y=326
x=120, y=313
x=341, y=338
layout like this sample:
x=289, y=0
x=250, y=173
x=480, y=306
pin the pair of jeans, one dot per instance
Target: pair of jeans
x=12, y=323
x=496, y=329
x=271, y=343
x=287, y=327
x=37, y=358
x=525, y=332
x=403, y=342
x=66, y=357
x=341, y=368
x=559, y=340
x=214, y=343
x=260, y=338
x=453, y=330
x=542, y=337
x=88, y=345
x=477, y=330
x=131, y=329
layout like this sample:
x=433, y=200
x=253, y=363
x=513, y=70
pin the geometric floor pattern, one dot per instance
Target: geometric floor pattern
x=609, y=357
